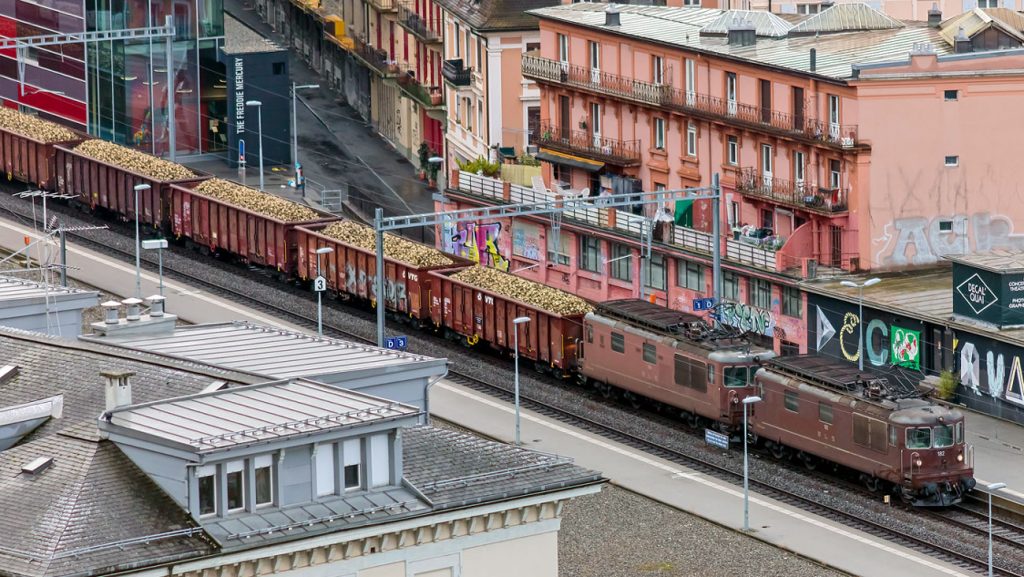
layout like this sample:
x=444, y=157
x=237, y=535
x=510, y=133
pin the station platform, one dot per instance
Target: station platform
x=998, y=454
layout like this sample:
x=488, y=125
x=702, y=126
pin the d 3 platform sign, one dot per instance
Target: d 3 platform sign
x=905, y=347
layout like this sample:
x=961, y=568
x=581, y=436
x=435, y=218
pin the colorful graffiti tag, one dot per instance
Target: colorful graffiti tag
x=476, y=242
x=746, y=318
x=906, y=347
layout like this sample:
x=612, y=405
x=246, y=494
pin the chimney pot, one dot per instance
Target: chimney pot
x=611, y=15
x=961, y=43
x=133, y=309
x=934, y=16
x=156, y=305
x=118, y=388
x=110, y=309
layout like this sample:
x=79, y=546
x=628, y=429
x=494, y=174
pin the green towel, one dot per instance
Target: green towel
x=684, y=213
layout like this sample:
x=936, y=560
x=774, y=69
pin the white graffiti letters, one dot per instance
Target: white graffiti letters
x=919, y=240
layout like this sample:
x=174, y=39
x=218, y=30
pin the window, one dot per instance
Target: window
x=988, y=3
x=659, y=133
x=590, y=253
x=563, y=48
x=657, y=70
x=959, y=431
x=691, y=82
x=689, y=275
x=469, y=42
x=595, y=55
x=264, y=470
x=235, y=471
x=277, y=68
x=730, y=92
x=943, y=436
x=533, y=46
x=207, y=489
x=480, y=117
x=595, y=119
x=792, y=401
x=352, y=453
x=325, y=469
x=767, y=159
x=558, y=254
x=618, y=342
x=735, y=377
x=691, y=139
x=656, y=276
x=732, y=154
x=951, y=94
x=799, y=166
x=945, y=226
x=380, y=461
x=807, y=8
x=458, y=53
x=952, y=161
x=734, y=213
x=833, y=110
x=692, y=374
x=695, y=3
x=919, y=438
x=479, y=53
x=760, y=293
x=824, y=412
x=791, y=305
x=731, y=286
x=650, y=353
x=834, y=177
x=622, y=262
x=767, y=218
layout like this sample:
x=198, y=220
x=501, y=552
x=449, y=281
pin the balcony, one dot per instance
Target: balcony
x=711, y=108
x=792, y=194
x=383, y=5
x=428, y=97
x=375, y=58
x=427, y=31
x=453, y=72
x=582, y=143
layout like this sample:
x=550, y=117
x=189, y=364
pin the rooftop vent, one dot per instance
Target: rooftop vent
x=742, y=33
x=814, y=59
x=934, y=16
x=156, y=305
x=110, y=310
x=8, y=372
x=961, y=43
x=134, y=308
x=37, y=466
x=118, y=388
x=611, y=15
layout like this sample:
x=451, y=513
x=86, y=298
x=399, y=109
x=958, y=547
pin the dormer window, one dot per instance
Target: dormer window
x=325, y=472
x=353, y=456
x=207, y=477
x=235, y=486
x=264, y=480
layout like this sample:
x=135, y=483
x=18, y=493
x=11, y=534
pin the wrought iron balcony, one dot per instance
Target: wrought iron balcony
x=375, y=58
x=428, y=30
x=453, y=72
x=429, y=97
x=384, y=5
x=588, y=145
x=694, y=103
x=793, y=194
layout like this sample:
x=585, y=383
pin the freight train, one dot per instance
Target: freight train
x=816, y=410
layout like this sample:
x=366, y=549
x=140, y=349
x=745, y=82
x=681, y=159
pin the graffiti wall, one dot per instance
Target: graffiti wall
x=991, y=376
x=747, y=318
x=920, y=240
x=476, y=242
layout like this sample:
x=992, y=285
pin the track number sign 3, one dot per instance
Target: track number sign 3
x=319, y=284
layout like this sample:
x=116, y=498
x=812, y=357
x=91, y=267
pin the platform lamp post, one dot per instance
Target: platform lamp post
x=259, y=127
x=158, y=244
x=515, y=331
x=138, y=248
x=319, y=293
x=295, y=132
x=746, y=467
x=860, y=307
x=991, y=488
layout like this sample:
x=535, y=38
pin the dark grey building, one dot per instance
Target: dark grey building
x=256, y=70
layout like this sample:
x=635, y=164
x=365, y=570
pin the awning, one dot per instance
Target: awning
x=569, y=160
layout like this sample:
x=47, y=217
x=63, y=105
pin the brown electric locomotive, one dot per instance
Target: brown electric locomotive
x=671, y=357
x=876, y=423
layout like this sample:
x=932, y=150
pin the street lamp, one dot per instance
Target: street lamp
x=159, y=244
x=860, y=304
x=295, y=132
x=319, y=294
x=515, y=331
x=259, y=125
x=138, y=249
x=746, y=471
x=991, y=488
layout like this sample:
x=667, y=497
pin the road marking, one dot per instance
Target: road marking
x=694, y=476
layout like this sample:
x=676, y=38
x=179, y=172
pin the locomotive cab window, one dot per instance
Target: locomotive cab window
x=792, y=401
x=942, y=436
x=959, y=432
x=825, y=412
x=650, y=353
x=735, y=377
x=618, y=342
x=590, y=334
x=919, y=438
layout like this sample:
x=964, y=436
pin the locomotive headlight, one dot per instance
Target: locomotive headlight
x=960, y=458
x=918, y=462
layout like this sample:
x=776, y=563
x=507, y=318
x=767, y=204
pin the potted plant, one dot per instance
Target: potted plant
x=432, y=168
x=423, y=152
x=583, y=125
x=435, y=96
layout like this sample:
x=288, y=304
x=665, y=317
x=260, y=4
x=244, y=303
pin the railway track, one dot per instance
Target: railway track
x=972, y=519
x=924, y=546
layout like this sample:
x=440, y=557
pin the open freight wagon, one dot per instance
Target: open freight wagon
x=218, y=225
x=350, y=270
x=31, y=160
x=480, y=315
x=103, y=185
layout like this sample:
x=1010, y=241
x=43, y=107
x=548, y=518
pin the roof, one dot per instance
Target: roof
x=847, y=378
x=648, y=314
x=66, y=520
x=846, y=18
x=496, y=15
x=998, y=261
x=269, y=351
x=837, y=52
x=240, y=39
x=255, y=413
x=765, y=23
x=14, y=289
x=977, y=20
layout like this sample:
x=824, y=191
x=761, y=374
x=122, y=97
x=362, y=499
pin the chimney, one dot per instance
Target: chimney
x=814, y=59
x=742, y=33
x=156, y=305
x=133, y=307
x=962, y=44
x=611, y=15
x=826, y=4
x=118, y=388
x=110, y=310
x=934, y=16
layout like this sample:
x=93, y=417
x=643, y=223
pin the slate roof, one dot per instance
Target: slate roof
x=496, y=15
x=66, y=521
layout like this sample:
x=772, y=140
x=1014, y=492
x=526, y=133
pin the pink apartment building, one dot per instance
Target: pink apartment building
x=845, y=141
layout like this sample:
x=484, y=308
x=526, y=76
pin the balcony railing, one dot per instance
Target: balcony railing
x=427, y=96
x=375, y=58
x=695, y=103
x=793, y=194
x=384, y=5
x=427, y=30
x=583, y=143
x=453, y=72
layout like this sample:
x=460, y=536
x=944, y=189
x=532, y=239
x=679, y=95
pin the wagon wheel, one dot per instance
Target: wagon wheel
x=871, y=482
x=779, y=451
x=634, y=401
x=606, y=390
x=809, y=461
x=693, y=420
